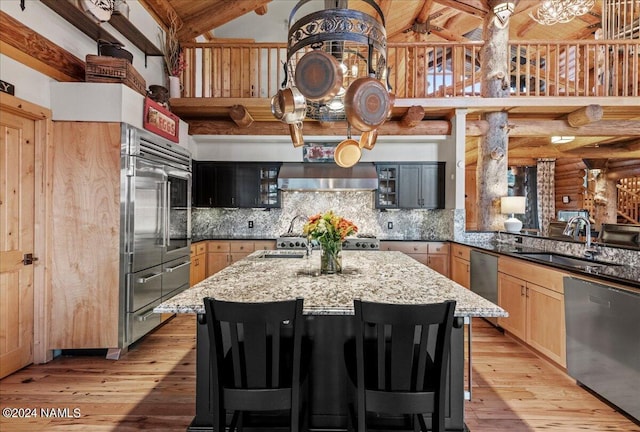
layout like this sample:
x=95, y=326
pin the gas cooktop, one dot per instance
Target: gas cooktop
x=350, y=243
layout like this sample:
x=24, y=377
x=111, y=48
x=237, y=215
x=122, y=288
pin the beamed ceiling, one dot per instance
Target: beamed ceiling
x=428, y=20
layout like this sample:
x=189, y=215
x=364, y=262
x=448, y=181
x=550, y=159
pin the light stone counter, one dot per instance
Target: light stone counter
x=382, y=276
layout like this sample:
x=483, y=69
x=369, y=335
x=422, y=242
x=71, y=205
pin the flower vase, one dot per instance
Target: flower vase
x=331, y=260
x=174, y=87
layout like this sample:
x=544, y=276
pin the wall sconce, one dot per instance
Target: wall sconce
x=513, y=205
x=562, y=139
x=566, y=199
x=503, y=10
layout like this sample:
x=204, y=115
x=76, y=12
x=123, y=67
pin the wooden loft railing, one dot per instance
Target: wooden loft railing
x=629, y=200
x=421, y=70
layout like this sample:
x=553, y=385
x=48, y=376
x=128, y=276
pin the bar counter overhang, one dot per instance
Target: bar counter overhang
x=390, y=277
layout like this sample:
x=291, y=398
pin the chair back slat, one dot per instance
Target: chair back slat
x=256, y=355
x=236, y=354
x=401, y=347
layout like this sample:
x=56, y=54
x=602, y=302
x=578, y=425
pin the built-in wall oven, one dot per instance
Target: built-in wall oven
x=156, y=228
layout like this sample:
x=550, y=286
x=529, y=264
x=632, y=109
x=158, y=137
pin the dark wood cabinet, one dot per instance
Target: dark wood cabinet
x=235, y=184
x=386, y=195
x=411, y=185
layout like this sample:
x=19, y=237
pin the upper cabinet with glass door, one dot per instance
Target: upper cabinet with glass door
x=386, y=195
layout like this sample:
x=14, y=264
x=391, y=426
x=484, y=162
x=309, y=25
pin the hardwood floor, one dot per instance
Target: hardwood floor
x=152, y=388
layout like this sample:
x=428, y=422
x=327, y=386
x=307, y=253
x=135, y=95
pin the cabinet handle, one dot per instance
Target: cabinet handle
x=171, y=269
x=522, y=290
x=148, y=278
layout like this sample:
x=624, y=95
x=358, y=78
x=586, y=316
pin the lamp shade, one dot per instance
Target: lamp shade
x=513, y=205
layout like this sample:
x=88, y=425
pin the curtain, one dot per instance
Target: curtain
x=546, y=169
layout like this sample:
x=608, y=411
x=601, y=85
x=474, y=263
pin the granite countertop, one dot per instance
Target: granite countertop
x=382, y=276
x=614, y=272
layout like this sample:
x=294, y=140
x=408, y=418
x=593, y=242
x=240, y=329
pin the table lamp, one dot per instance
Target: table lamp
x=512, y=205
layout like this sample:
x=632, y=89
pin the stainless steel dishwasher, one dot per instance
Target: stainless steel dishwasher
x=603, y=343
x=484, y=277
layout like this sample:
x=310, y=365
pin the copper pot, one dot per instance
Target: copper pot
x=366, y=104
x=292, y=104
x=318, y=76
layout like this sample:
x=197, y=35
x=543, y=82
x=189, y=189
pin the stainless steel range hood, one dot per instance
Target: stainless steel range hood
x=327, y=177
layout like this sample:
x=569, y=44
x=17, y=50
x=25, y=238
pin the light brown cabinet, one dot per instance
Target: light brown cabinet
x=198, y=269
x=434, y=255
x=534, y=298
x=460, y=265
x=222, y=253
x=84, y=298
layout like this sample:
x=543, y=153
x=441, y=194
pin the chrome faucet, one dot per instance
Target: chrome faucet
x=573, y=231
x=290, y=230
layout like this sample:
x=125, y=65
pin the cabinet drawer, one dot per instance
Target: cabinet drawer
x=241, y=246
x=405, y=247
x=438, y=248
x=460, y=251
x=537, y=274
x=264, y=245
x=218, y=246
x=201, y=247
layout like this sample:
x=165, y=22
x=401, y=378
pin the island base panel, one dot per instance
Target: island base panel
x=329, y=388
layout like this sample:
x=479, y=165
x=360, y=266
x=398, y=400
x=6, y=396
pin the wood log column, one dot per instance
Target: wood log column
x=491, y=168
x=605, y=204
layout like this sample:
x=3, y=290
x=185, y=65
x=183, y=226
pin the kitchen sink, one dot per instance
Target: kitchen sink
x=564, y=260
x=281, y=254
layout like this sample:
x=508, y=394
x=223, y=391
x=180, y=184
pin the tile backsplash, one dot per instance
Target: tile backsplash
x=358, y=206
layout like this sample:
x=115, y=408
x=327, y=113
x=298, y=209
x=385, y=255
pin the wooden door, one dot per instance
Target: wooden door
x=439, y=263
x=17, y=203
x=546, y=323
x=460, y=271
x=512, y=298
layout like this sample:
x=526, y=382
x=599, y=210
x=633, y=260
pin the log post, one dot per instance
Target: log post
x=491, y=168
x=240, y=116
x=585, y=115
x=605, y=205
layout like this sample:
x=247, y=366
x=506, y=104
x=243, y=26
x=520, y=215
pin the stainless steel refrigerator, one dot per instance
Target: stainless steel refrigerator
x=155, y=228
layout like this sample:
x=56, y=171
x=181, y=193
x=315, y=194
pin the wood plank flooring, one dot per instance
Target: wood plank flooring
x=152, y=388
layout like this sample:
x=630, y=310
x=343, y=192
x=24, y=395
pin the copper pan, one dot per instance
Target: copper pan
x=366, y=104
x=368, y=139
x=318, y=76
x=347, y=153
x=295, y=130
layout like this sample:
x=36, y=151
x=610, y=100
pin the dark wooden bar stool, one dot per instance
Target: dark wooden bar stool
x=255, y=362
x=398, y=361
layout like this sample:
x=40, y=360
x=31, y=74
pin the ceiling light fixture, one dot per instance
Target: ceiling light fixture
x=562, y=139
x=503, y=10
x=552, y=12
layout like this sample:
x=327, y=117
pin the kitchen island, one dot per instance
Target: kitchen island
x=391, y=277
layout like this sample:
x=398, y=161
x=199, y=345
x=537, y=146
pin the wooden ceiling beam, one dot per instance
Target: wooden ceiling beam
x=37, y=52
x=587, y=153
x=585, y=115
x=202, y=20
x=474, y=7
x=427, y=127
x=161, y=11
x=525, y=127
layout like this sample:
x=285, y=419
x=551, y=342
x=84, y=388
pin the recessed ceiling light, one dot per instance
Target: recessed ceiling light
x=562, y=139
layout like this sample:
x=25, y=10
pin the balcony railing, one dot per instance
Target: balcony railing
x=423, y=70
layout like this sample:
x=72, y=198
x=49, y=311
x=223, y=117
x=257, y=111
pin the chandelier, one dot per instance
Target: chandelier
x=552, y=12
